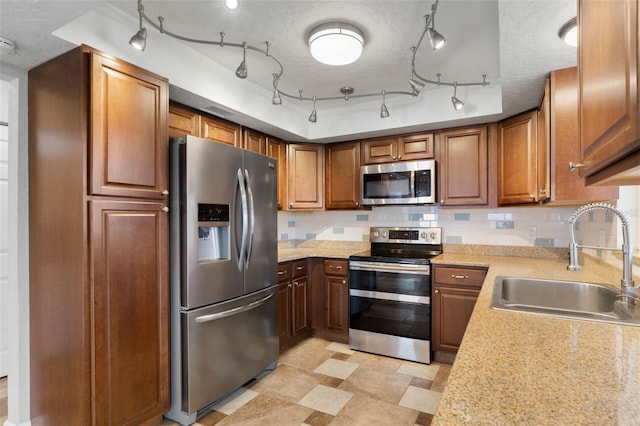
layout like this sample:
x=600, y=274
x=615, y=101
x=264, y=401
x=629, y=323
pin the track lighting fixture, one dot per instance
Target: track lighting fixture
x=384, y=112
x=437, y=40
x=457, y=103
x=242, y=71
x=139, y=39
x=349, y=32
x=313, y=117
x=276, y=100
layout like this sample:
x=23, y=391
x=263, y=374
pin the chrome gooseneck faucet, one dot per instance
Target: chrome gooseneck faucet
x=626, y=284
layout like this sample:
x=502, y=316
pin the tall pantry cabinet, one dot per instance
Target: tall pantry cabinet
x=98, y=230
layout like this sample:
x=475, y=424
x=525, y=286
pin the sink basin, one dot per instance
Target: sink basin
x=566, y=299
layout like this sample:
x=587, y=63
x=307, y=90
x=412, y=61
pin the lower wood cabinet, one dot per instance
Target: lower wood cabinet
x=336, y=287
x=293, y=303
x=454, y=294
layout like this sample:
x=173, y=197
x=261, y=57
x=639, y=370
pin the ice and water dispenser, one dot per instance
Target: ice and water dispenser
x=213, y=232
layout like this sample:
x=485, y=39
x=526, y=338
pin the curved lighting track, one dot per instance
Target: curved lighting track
x=429, y=22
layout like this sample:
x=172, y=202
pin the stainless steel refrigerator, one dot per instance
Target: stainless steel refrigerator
x=224, y=320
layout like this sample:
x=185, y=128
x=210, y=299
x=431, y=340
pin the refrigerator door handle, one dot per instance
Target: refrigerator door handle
x=245, y=218
x=234, y=311
x=251, y=217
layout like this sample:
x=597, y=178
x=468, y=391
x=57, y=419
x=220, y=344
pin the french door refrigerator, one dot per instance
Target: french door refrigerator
x=224, y=320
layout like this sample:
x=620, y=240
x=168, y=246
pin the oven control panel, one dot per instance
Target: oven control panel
x=406, y=235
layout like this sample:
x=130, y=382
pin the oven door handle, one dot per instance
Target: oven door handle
x=395, y=268
x=396, y=297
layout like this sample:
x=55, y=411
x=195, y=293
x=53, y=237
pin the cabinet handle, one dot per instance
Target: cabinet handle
x=573, y=166
x=393, y=157
x=335, y=267
x=280, y=272
x=543, y=191
x=533, y=197
x=290, y=205
x=344, y=281
x=165, y=192
x=460, y=277
x=357, y=204
x=299, y=268
x=295, y=283
x=165, y=209
x=441, y=201
x=399, y=157
x=289, y=286
x=436, y=291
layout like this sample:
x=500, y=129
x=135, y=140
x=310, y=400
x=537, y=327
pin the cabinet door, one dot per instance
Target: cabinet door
x=129, y=144
x=608, y=90
x=415, y=147
x=130, y=317
x=305, y=176
x=254, y=141
x=452, y=308
x=463, y=167
x=278, y=149
x=220, y=131
x=342, y=175
x=284, y=313
x=300, y=318
x=380, y=150
x=337, y=304
x=568, y=187
x=183, y=121
x=518, y=159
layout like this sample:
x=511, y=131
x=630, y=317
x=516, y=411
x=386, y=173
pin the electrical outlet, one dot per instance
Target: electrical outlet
x=533, y=232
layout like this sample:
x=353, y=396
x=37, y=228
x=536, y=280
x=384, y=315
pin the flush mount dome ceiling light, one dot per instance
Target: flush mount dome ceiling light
x=569, y=32
x=336, y=43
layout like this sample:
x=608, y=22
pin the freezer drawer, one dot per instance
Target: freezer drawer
x=227, y=344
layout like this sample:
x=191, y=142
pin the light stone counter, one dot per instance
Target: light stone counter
x=516, y=368
x=300, y=249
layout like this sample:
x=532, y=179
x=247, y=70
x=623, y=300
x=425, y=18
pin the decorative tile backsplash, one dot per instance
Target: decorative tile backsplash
x=518, y=226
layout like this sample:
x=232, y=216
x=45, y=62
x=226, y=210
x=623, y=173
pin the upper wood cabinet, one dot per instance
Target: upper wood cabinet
x=544, y=144
x=254, y=141
x=567, y=187
x=342, y=175
x=128, y=144
x=220, y=131
x=518, y=159
x=463, y=160
x=98, y=282
x=305, y=177
x=398, y=148
x=608, y=91
x=278, y=149
x=183, y=121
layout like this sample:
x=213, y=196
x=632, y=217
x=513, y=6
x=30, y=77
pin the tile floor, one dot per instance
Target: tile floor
x=3, y=400
x=321, y=383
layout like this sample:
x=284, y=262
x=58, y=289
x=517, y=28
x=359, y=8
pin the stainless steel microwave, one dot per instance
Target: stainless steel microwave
x=406, y=182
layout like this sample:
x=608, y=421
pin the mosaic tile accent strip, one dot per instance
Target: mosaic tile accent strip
x=462, y=216
x=362, y=218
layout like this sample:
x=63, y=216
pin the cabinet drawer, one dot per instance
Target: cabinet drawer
x=284, y=271
x=473, y=277
x=299, y=268
x=336, y=267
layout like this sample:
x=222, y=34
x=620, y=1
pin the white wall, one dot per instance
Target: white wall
x=14, y=91
x=4, y=222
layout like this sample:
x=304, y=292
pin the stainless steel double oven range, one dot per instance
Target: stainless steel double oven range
x=390, y=293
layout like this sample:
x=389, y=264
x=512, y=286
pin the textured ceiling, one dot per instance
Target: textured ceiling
x=514, y=42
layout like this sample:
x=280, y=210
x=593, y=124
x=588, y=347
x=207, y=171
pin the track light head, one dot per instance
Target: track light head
x=384, y=112
x=457, y=103
x=139, y=39
x=314, y=115
x=242, y=71
x=416, y=86
x=437, y=40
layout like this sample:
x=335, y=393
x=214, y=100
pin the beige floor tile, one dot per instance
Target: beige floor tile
x=288, y=383
x=235, y=400
x=376, y=384
x=365, y=411
x=336, y=368
x=441, y=379
x=267, y=410
x=307, y=355
x=424, y=400
x=326, y=399
x=417, y=369
x=339, y=347
x=375, y=362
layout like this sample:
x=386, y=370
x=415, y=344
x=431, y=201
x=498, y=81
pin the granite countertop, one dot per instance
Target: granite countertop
x=300, y=249
x=518, y=368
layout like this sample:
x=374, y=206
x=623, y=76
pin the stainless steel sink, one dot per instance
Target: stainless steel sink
x=566, y=299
